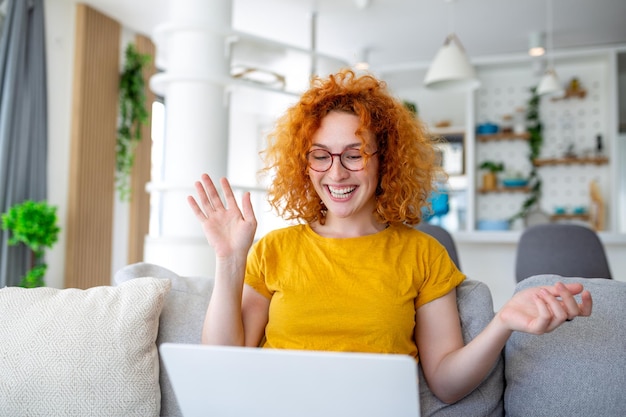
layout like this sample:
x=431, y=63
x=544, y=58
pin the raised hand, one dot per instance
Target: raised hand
x=229, y=230
x=542, y=309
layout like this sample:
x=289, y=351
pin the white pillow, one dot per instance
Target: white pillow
x=78, y=352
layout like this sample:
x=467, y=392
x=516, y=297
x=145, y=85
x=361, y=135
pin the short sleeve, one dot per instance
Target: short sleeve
x=255, y=275
x=440, y=274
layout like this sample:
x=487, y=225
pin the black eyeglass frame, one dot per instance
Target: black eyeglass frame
x=332, y=159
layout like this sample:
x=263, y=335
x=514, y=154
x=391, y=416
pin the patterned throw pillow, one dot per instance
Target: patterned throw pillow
x=81, y=353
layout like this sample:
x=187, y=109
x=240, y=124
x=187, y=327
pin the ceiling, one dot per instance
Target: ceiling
x=401, y=34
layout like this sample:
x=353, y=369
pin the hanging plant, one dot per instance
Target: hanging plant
x=35, y=225
x=535, y=142
x=133, y=114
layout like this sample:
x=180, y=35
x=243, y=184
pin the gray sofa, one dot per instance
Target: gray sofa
x=577, y=370
x=94, y=352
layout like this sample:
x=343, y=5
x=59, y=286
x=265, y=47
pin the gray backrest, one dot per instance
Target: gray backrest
x=579, y=368
x=569, y=250
x=444, y=237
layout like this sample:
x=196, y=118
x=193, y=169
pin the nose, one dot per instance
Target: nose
x=337, y=170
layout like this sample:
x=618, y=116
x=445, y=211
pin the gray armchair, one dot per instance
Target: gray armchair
x=568, y=250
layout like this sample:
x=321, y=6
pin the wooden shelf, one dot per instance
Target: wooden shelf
x=572, y=94
x=595, y=160
x=448, y=130
x=570, y=216
x=504, y=190
x=503, y=136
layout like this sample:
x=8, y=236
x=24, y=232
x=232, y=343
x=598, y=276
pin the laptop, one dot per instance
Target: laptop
x=225, y=381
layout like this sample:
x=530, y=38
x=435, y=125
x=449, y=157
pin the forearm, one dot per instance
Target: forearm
x=223, y=324
x=462, y=370
x=536, y=310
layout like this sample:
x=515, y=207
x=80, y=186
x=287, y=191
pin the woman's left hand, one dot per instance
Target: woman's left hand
x=228, y=229
x=542, y=309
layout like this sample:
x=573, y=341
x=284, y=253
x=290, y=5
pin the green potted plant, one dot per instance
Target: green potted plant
x=35, y=225
x=490, y=178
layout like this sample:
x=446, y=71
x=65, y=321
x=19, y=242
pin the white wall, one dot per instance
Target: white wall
x=59, y=21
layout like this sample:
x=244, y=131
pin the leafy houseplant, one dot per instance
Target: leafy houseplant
x=35, y=225
x=410, y=106
x=535, y=143
x=493, y=167
x=133, y=114
x=490, y=179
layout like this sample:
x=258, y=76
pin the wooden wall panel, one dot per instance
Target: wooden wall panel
x=140, y=200
x=92, y=158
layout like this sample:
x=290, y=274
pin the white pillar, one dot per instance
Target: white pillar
x=192, y=51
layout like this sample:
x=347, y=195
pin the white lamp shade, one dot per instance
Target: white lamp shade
x=550, y=84
x=451, y=69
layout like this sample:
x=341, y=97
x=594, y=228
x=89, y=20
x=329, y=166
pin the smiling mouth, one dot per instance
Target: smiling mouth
x=341, y=192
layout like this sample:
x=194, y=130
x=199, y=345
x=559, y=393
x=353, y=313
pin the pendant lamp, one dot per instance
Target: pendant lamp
x=549, y=84
x=362, y=61
x=536, y=44
x=451, y=69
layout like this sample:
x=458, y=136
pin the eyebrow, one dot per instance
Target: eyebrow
x=349, y=146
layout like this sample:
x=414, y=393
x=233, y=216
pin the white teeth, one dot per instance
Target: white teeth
x=341, y=192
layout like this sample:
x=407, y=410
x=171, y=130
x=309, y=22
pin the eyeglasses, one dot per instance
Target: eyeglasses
x=321, y=160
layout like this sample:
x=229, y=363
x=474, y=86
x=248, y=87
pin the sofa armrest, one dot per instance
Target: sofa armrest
x=579, y=368
x=475, y=307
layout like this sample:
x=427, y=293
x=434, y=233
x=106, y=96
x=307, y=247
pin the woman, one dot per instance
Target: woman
x=355, y=168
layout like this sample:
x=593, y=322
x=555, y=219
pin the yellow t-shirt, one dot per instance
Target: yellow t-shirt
x=353, y=294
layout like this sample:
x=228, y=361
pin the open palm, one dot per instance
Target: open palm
x=229, y=230
x=542, y=309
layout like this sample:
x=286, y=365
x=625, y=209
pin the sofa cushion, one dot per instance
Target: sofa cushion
x=181, y=319
x=78, y=352
x=475, y=311
x=578, y=369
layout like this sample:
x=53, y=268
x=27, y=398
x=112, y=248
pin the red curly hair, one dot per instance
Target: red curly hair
x=407, y=166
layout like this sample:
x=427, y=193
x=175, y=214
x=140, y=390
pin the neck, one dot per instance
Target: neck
x=344, y=228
